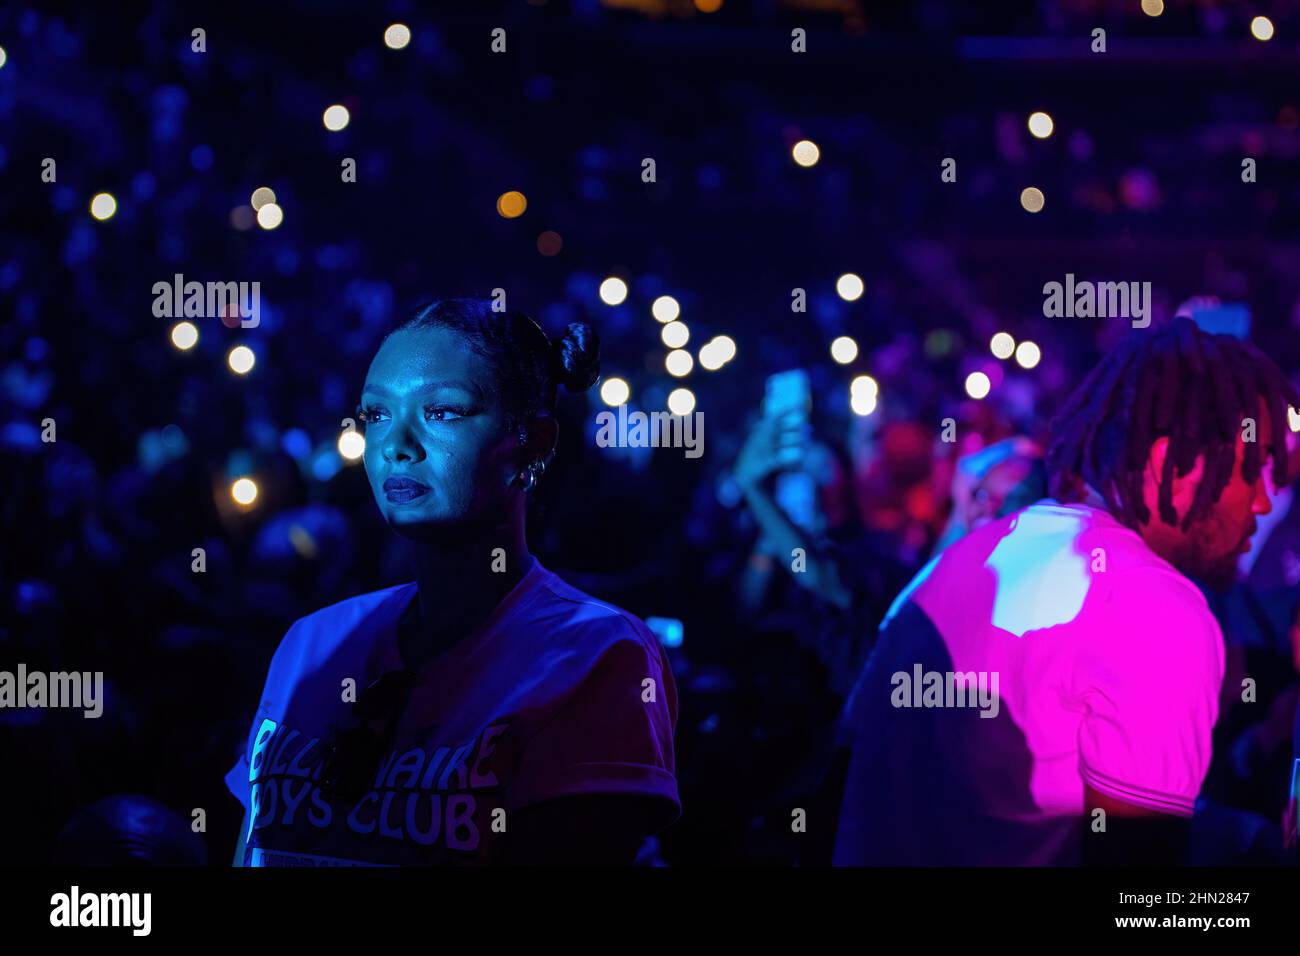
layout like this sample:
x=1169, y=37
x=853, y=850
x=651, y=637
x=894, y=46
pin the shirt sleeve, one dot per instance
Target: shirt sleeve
x=237, y=777
x=1150, y=685
x=612, y=735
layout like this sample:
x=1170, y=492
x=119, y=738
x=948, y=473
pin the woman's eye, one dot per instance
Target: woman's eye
x=371, y=416
x=442, y=414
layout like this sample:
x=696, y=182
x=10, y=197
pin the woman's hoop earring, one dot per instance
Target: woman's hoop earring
x=528, y=478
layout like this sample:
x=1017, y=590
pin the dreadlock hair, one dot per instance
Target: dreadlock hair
x=1175, y=381
x=527, y=366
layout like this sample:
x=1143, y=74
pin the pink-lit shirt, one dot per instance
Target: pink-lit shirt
x=1108, y=665
x=557, y=694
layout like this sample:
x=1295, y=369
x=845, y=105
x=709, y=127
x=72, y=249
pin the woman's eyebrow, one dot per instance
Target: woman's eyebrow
x=422, y=387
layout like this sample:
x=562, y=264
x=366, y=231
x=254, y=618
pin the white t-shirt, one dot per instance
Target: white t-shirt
x=1090, y=660
x=557, y=694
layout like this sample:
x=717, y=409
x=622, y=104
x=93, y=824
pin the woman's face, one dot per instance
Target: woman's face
x=438, y=451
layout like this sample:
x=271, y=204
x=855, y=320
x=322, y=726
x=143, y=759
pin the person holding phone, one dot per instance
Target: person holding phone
x=486, y=712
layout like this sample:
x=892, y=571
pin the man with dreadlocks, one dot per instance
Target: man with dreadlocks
x=1044, y=691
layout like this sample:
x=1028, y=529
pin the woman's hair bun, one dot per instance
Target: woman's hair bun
x=577, y=357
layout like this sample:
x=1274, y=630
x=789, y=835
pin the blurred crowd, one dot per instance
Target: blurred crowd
x=101, y=526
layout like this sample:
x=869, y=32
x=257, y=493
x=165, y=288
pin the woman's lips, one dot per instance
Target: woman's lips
x=402, y=490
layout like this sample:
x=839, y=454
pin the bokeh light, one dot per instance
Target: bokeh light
x=103, y=206
x=681, y=401
x=1153, y=8
x=397, y=36
x=243, y=491
x=679, y=362
x=806, y=153
x=615, y=392
x=336, y=117
x=261, y=196
x=863, y=403
x=665, y=309
x=4, y=57
x=726, y=348
x=977, y=385
x=613, y=291
x=850, y=286
x=241, y=360
x=270, y=216
x=1028, y=354
x=352, y=444
x=511, y=205
x=1032, y=199
x=1261, y=28
x=675, y=334
x=1002, y=345
x=864, y=385
x=185, y=335
x=550, y=243
x=1040, y=125
x=844, y=350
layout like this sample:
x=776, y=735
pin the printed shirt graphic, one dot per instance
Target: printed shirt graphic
x=1108, y=663
x=548, y=699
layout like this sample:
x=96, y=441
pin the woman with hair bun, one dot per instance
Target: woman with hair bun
x=486, y=712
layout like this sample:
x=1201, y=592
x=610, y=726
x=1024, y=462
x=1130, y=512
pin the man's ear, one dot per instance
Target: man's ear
x=1156, y=458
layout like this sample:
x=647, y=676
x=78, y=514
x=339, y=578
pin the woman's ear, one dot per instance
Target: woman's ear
x=542, y=435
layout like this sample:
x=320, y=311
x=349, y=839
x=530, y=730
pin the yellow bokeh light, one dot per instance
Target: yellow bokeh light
x=185, y=335
x=243, y=491
x=1153, y=8
x=1002, y=345
x=1041, y=125
x=977, y=385
x=613, y=291
x=1028, y=354
x=511, y=205
x=681, y=401
x=725, y=347
x=261, y=196
x=1032, y=199
x=806, y=153
x=863, y=403
x=675, y=334
x=679, y=362
x=615, y=392
x=241, y=360
x=336, y=117
x=665, y=309
x=850, y=286
x=352, y=444
x=1261, y=28
x=864, y=385
x=844, y=350
x=103, y=206
x=270, y=215
x=397, y=36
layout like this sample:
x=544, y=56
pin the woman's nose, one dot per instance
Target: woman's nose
x=402, y=444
